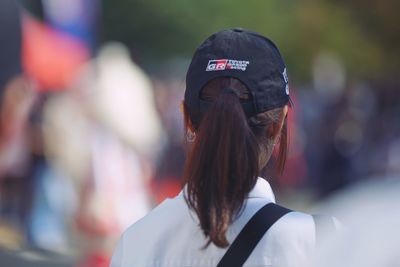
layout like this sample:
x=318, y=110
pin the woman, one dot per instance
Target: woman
x=235, y=110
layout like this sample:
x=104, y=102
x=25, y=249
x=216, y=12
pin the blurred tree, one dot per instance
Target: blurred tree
x=364, y=34
x=379, y=22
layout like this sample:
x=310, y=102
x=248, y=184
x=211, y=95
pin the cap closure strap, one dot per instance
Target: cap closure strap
x=230, y=90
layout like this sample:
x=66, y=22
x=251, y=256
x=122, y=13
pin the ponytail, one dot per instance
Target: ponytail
x=227, y=155
x=222, y=167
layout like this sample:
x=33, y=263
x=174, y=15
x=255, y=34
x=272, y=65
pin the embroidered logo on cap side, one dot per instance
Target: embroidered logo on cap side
x=227, y=64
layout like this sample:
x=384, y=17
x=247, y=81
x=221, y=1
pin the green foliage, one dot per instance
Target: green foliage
x=157, y=30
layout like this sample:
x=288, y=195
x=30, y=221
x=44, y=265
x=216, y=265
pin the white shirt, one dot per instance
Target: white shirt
x=170, y=236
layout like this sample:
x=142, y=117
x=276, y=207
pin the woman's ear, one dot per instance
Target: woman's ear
x=273, y=132
x=282, y=119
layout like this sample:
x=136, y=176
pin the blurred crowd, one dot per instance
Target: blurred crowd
x=89, y=142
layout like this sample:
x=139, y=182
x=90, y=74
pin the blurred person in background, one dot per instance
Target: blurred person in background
x=108, y=152
x=235, y=112
x=168, y=174
x=16, y=99
x=72, y=163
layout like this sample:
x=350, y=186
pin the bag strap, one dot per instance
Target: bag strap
x=251, y=234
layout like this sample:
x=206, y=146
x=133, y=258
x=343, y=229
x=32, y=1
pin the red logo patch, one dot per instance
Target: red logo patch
x=219, y=64
x=226, y=64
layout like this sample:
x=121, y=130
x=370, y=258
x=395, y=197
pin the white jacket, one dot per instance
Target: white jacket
x=170, y=236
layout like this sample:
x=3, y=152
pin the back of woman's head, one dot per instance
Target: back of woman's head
x=235, y=131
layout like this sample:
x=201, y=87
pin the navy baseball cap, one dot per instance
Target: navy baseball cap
x=247, y=56
x=10, y=45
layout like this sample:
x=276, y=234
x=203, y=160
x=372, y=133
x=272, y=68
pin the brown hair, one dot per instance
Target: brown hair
x=227, y=155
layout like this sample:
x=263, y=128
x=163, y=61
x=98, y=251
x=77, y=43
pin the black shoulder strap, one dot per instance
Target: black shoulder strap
x=251, y=234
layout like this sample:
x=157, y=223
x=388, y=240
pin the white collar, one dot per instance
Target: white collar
x=261, y=189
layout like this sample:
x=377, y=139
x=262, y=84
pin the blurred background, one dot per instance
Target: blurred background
x=91, y=132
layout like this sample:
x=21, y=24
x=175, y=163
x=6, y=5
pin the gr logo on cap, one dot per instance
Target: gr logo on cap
x=230, y=64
